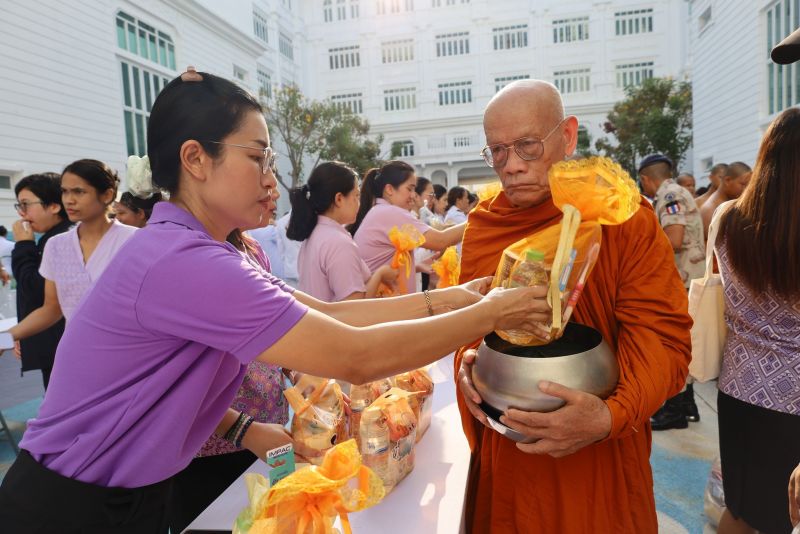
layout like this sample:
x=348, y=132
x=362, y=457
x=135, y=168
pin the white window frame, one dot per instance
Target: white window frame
x=344, y=57
x=633, y=22
x=640, y=71
x=452, y=44
x=502, y=81
x=260, y=28
x=573, y=80
x=571, y=30
x=510, y=37
x=397, y=51
x=455, y=93
x=352, y=101
x=399, y=99
x=285, y=46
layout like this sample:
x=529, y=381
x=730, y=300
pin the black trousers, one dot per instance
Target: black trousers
x=203, y=480
x=36, y=500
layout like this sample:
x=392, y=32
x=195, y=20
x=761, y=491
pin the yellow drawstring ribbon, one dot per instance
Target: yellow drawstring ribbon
x=448, y=267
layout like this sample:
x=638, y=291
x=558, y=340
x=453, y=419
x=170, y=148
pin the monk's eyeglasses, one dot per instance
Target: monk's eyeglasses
x=527, y=148
x=268, y=156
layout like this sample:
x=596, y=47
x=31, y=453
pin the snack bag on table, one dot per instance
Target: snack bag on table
x=361, y=397
x=309, y=500
x=420, y=382
x=388, y=436
x=319, y=420
x=591, y=192
x=405, y=239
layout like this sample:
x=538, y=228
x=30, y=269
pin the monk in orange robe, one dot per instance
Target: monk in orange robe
x=590, y=470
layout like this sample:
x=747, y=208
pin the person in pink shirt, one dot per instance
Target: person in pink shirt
x=73, y=261
x=387, y=196
x=329, y=264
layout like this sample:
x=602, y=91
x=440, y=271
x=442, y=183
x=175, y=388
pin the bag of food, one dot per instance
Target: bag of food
x=448, y=268
x=309, y=500
x=590, y=192
x=404, y=239
x=420, y=383
x=388, y=434
x=319, y=420
x=360, y=398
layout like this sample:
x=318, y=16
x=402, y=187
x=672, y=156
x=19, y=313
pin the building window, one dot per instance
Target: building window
x=510, y=37
x=239, y=74
x=140, y=87
x=397, y=51
x=704, y=19
x=399, y=99
x=354, y=9
x=440, y=3
x=783, y=81
x=405, y=148
x=633, y=22
x=264, y=83
x=327, y=10
x=341, y=10
x=574, y=80
x=462, y=141
x=394, y=6
x=145, y=41
x=502, y=81
x=351, y=101
x=344, y=57
x=455, y=93
x=285, y=46
x=287, y=4
x=571, y=30
x=633, y=74
x=452, y=44
x=5, y=180
x=260, y=25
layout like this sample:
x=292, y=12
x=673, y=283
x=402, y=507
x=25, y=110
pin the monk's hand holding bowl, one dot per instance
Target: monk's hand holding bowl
x=583, y=420
x=470, y=395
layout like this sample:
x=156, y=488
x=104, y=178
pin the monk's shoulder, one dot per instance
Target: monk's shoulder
x=644, y=221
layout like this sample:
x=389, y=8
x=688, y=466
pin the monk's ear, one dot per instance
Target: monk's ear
x=570, y=135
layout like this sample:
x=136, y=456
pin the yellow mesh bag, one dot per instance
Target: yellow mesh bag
x=591, y=192
x=404, y=239
x=448, y=268
x=309, y=500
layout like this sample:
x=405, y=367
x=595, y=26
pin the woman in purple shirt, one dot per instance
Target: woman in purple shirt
x=149, y=367
x=387, y=196
x=758, y=248
x=330, y=267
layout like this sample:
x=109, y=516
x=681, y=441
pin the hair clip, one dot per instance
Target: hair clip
x=191, y=75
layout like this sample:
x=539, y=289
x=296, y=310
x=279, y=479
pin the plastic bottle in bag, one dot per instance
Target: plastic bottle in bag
x=530, y=272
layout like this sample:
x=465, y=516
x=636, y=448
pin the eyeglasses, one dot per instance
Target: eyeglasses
x=22, y=207
x=269, y=156
x=527, y=148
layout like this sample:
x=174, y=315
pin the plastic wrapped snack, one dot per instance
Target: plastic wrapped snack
x=388, y=435
x=420, y=383
x=319, y=420
x=309, y=500
x=361, y=397
x=591, y=193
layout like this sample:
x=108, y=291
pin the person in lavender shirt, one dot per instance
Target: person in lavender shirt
x=148, y=369
x=74, y=260
x=387, y=196
x=758, y=250
x=330, y=267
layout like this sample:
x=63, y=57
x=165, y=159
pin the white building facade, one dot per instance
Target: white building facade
x=738, y=90
x=77, y=79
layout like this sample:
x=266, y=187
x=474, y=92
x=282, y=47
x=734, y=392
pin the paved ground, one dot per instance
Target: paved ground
x=681, y=459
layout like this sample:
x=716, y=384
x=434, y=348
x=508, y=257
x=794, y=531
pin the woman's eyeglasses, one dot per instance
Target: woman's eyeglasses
x=269, y=156
x=23, y=206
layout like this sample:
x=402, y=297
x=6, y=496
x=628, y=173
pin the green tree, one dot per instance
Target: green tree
x=654, y=117
x=319, y=130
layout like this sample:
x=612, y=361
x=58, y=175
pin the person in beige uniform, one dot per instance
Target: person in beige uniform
x=678, y=215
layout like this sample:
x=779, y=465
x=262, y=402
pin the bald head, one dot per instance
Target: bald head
x=686, y=181
x=738, y=168
x=535, y=98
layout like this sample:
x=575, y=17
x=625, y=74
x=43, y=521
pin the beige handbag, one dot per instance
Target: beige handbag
x=707, y=308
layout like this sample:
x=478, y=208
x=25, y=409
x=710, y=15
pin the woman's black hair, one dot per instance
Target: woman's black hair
x=317, y=196
x=99, y=175
x=439, y=190
x=393, y=173
x=422, y=184
x=47, y=188
x=455, y=194
x=208, y=110
x=136, y=204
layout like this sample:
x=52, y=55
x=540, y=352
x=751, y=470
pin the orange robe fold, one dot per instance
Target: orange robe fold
x=635, y=298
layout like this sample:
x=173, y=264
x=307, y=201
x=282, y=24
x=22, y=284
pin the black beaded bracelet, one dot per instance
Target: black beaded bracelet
x=234, y=429
x=238, y=442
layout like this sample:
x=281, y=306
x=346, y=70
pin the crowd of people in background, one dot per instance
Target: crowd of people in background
x=334, y=246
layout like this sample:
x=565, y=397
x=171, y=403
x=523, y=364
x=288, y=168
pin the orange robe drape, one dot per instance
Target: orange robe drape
x=635, y=298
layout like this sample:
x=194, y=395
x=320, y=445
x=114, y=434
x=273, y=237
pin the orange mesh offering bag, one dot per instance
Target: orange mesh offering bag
x=420, y=382
x=404, y=239
x=591, y=192
x=309, y=500
x=448, y=268
x=319, y=420
x=388, y=435
x=361, y=397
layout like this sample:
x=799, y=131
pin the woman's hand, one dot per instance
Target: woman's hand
x=471, y=397
x=523, y=308
x=22, y=231
x=388, y=275
x=794, y=496
x=263, y=437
